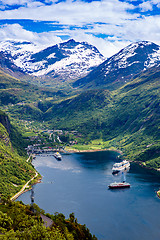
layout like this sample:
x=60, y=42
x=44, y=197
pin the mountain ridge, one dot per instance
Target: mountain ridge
x=76, y=64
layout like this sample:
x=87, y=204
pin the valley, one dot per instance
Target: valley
x=88, y=105
x=124, y=118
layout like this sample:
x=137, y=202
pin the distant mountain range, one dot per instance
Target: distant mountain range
x=121, y=67
x=76, y=62
x=64, y=61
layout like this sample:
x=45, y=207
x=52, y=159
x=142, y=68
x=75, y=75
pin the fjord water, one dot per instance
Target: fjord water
x=79, y=184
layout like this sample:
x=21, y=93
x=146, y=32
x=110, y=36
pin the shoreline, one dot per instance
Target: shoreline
x=158, y=194
x=26, y=187
x=23, y=189
x=26, y=190
x=74, y=150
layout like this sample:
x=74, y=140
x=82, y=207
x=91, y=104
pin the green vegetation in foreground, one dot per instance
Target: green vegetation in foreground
x=18, y=222
x=14, y=170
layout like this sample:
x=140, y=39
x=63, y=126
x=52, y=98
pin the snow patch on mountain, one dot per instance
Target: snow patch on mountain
x=20, y=52
x=135, y=53
x=18, y=48
x=52, y=55
x=153, y=59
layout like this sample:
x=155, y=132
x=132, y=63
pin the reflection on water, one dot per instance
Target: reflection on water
x=79, y=184
x=51, y=162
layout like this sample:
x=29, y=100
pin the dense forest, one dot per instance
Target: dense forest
x=17, y=221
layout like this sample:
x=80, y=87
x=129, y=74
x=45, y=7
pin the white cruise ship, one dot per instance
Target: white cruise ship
x=122, y=166
x=57, y=155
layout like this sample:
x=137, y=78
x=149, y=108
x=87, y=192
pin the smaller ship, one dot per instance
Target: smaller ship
x=122, y=166
x=119, y=185
x=58, y=156
x=122, y=184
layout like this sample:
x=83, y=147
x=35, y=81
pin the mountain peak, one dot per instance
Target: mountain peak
x=71, y=41
x=69, y=44
x=122, y=66
x=64, y=61
x=142, y=45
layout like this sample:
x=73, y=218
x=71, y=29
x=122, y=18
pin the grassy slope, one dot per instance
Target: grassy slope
x=13, y=91
x=23, y=100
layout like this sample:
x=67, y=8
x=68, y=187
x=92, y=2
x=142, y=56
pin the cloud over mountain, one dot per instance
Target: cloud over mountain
x=108, y=24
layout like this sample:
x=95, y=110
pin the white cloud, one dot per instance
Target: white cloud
x=74, y=12
x=108, y=17
x=16, y=32
x=22, y=3
x=14, y=2
x=156, y=2
x=147, y=28
x=146, y=6
x=34, y=4
x=105, y=46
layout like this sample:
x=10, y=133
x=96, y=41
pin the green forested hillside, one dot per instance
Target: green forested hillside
x=128, y=118
x=76, y=112
x=14, y=91
x=14, y=170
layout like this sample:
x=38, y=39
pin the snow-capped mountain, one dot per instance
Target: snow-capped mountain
x=122, y=66
x=68, y=60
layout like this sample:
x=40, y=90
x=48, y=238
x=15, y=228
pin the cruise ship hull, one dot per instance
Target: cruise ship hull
x=119, y=185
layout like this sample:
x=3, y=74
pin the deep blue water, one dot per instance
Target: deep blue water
x=79, y=184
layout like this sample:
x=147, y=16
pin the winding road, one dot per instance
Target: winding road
x=23, y=188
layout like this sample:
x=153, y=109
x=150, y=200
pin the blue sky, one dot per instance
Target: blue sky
x=107, y=24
